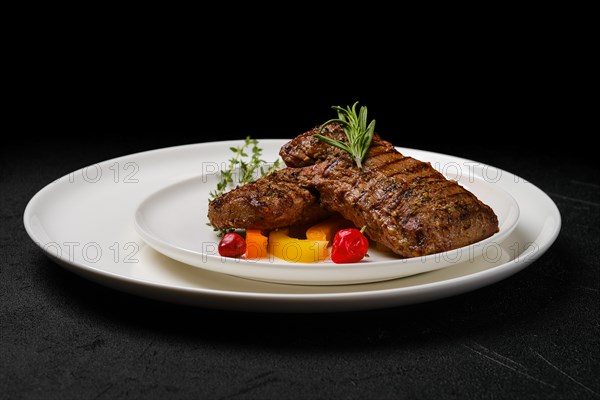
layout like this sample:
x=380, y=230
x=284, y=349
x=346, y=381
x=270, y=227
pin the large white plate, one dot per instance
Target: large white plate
x=173, y=222
x=84, y=222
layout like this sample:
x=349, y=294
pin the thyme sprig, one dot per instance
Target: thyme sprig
x=244, y=167
x=357, y=131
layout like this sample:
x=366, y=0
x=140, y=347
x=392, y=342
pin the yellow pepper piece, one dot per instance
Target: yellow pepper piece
x=283, y=246
x=326, y=230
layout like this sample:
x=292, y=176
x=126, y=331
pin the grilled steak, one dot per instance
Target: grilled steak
x=405, y=203
x=271, y=202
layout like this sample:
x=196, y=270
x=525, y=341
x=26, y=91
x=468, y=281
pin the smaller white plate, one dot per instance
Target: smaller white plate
x=173, y=222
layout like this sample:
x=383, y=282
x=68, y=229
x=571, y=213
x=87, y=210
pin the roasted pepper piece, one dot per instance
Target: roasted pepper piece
x=326, y=229
x=256, y=244
x=283, y=246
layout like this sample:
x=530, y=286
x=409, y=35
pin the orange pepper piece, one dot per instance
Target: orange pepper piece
x=326, y=229
x=256, y=244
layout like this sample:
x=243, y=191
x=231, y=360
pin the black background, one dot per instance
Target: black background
x=534, y=335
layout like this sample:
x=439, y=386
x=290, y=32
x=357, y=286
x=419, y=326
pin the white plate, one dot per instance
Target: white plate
x=84, y=222
x=173, y=222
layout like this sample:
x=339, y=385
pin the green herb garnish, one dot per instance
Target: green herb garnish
x=355, y=126
x=243, y=168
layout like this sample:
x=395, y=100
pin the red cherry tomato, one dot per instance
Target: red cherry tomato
x=349, y=246
x=232, y=245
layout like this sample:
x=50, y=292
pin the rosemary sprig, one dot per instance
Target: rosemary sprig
x=355, y=126
x=242, y=168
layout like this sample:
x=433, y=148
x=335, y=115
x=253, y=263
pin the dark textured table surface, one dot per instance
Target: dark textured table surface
x=533, y=335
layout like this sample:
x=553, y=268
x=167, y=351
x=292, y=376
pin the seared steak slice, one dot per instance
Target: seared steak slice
x=405, y=203
x=271, y=202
